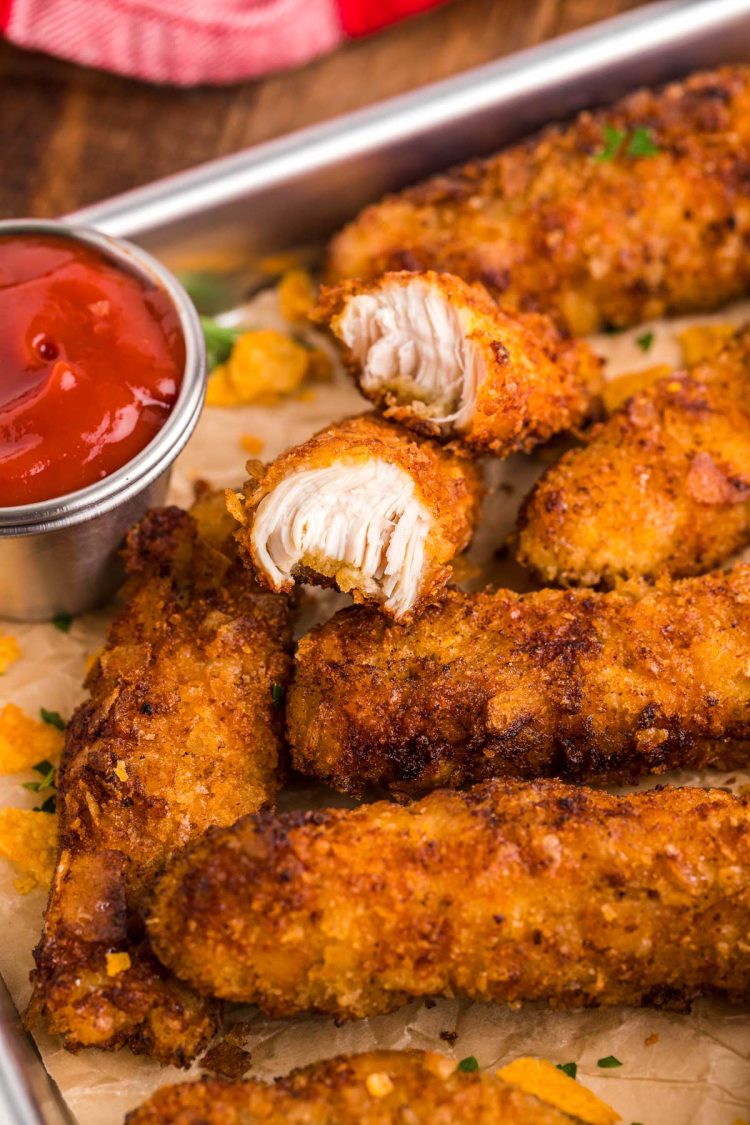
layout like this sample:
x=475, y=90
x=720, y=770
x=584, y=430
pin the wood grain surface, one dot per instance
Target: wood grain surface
x=70, y=136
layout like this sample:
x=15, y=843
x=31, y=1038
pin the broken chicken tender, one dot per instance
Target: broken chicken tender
x=663, y=485
x=569, y=683
x=25, y=741
x=510, y=892
x=180, y=731
x=374, y=1088
x=440, y=357
x=591, y=232
x=29, y=840
x=363, y=506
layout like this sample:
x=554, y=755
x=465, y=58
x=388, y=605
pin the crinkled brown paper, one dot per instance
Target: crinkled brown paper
x=696, y=1070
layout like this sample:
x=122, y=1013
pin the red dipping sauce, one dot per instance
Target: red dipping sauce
x=91, y=361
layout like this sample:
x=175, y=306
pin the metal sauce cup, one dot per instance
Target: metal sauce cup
x=61, y=556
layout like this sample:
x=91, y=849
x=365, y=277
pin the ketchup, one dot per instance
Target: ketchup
x=91, y=361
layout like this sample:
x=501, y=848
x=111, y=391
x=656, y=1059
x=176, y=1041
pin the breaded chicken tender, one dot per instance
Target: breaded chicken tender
x=627, y=214
x=440, y=357
x=662, y=486
x=363, y=506
x=573, y=684
x=510, y=892
x=374, y=1088
x=180, y=732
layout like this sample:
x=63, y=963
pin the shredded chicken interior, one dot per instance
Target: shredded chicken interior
x=359, y=523
x=410, y=340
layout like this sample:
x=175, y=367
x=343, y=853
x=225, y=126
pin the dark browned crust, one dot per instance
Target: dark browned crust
x=663, y=486
x=509, y=892
x=574, y=684
x=180, y=732
x=335, y=1092
x=547, y=226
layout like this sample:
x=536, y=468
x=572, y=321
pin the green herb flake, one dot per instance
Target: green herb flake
x=645, y=341
x=642, y=143
x=571, y=1069
x=219, y=341
x=468, y=1064
x=62, y=622
x=52, y=719
x=47, y=781
x=614, y=139
x=48, y=806
x=609, y=1062
x=277, y=694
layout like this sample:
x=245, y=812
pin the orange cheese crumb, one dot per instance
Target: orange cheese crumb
x=616, y=391
x=29, y=840
x=252, y=445
x=219, y=391
x=296, y=295
x=10, y=652
x=551, y=1085
x=25, y=741
x=702, y=341
x=117, y=963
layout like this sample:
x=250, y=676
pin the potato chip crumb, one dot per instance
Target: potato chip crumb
x=296, y=295
x=616, y=391
x=251, y=444
x=379, y=1085
x=703, y=341
x=551, y=1085
x=29, y=840
x=10, y=652
x=25, y=741
x=219, y=391
x=117, y=963
x=120, y=770
x=651, y=1039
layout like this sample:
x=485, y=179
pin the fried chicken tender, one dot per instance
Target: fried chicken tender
x=374, y=1088
x=180, y=732
x=510, y=892
x=662, y=485
x=440, y=357
x=626, y=214
x=573, y=684
x=363, y=506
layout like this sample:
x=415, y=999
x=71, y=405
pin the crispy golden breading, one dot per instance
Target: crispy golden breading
x=364, y=506
x=662, y=485
x=577, y=225
x=573, y=684
x=180, y=732
x=374, y=1088
x=440, y=357
x=511, y=891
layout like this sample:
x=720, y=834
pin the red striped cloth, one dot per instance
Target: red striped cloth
x=186, y=42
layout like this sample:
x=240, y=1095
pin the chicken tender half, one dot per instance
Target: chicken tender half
x=573, y=684
x=180, y=732
x=510, y=892
x=363, y=506
x=440, y=357
x=662, y=485
x=374, y=1088
x=627, y=214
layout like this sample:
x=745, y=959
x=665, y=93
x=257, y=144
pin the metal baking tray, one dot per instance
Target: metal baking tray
x=227, y=216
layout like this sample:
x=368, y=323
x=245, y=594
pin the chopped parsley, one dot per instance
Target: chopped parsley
x=277, y=694
x=46, y=781
x=62, y=622
x=468, y=1064
x=52, y=718
x=571, y=1069
x=608, y=1062
x=640, y=143
x=645, y=341
x=219, y=341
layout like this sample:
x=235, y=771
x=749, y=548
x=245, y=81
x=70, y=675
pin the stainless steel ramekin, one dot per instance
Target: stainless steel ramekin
x=61, y=556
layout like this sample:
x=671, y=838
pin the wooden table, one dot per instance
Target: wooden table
x=70, y=136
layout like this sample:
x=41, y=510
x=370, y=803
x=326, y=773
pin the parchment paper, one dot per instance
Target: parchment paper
x=696, y=1070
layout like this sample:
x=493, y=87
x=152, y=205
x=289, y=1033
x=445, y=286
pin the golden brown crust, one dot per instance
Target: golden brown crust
x=180, y=732
x=448, y=485
x=556, y=683
x=548, y=226
x=509, y=892
x=411, y=1088
x=537, y=381
x=662, y=485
